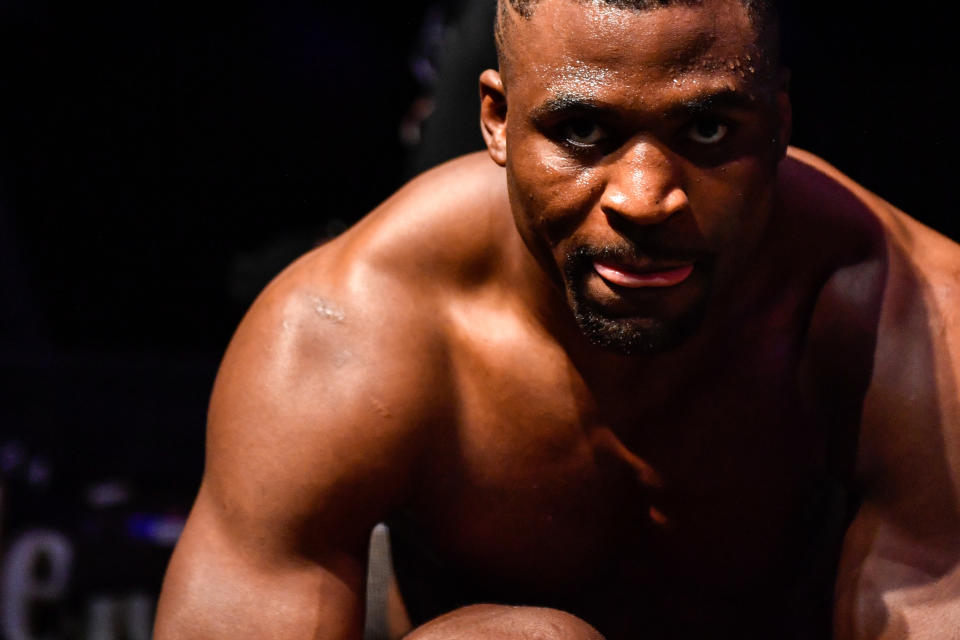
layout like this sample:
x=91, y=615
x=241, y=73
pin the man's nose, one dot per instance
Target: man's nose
x=643, y=184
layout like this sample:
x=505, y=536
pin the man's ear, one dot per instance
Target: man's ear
x=784, y=112
x=493, y=115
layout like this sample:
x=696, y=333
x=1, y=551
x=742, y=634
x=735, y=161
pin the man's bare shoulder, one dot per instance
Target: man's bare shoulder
x=928, y=250
x=446, y=226
x=342, y=361
x=376, y=296
x=918, y=268
x=387, y=275
x=390, y=274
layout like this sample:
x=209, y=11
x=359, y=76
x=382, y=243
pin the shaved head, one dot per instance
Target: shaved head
x=763, y=15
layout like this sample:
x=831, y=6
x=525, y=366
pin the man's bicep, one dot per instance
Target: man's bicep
x=221, y=584
x=275, y=544
x=893, y=585
x=900, y=569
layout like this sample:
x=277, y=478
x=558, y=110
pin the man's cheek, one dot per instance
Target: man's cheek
x=553, y=203
x=730, y=191
x=551, y=162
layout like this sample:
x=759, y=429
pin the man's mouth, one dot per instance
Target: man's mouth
x=636, y=276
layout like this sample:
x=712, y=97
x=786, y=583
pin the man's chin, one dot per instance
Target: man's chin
x=653, y=330
x=630, y=336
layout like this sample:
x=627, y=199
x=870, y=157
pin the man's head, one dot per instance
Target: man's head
x=763, y=15
x=641, y=141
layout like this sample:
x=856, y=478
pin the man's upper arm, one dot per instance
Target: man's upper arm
x=900, y=570
x=314, y=429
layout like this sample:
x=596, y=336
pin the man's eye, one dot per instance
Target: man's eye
x=707, y=132
x=582, y=132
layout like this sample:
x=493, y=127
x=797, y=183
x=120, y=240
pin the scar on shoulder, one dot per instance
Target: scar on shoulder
x=327, y=310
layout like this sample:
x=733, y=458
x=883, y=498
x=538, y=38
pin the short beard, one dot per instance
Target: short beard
x=625, y=335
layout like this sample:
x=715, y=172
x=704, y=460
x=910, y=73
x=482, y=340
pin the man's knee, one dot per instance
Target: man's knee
x=488, y=621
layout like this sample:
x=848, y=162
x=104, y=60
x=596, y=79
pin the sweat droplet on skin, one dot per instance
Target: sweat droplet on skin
x=585, y=177
x=576, y=76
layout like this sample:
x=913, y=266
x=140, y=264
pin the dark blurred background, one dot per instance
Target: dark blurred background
x=161, y=161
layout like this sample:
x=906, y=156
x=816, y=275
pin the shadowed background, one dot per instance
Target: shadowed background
x=161, y=161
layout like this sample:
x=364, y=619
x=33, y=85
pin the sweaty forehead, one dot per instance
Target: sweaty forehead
x=587, y=42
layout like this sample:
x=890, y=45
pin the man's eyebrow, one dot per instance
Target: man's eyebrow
x=569, y=102
x=723, y=99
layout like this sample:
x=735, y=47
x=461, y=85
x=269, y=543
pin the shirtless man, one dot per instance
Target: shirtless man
x=648, y=373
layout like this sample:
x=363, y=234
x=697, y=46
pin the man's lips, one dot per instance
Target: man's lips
x=635, y=278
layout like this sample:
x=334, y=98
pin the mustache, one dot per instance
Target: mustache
x=586, y=254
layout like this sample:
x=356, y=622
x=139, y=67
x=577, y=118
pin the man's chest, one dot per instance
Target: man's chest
x=548, y=494
x=580, y=494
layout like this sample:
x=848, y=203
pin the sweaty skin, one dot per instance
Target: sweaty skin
x=767, y=446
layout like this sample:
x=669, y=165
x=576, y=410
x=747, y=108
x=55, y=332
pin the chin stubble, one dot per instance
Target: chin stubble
x=625, y=335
